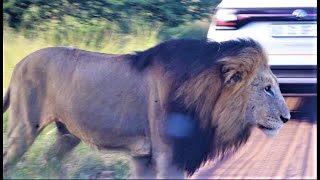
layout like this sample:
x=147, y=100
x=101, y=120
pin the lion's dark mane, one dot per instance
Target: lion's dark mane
x=185, y=59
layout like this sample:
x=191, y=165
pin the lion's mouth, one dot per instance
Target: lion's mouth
x=269, y=131
x=265, y=128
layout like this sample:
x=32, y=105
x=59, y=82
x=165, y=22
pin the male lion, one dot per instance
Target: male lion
x=171, y=107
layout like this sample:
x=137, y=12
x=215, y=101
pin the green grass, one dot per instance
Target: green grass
x=83, y=162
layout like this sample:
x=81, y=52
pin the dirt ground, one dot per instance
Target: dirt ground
x=291, y=154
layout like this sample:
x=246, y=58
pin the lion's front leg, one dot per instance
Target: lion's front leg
x=142, y=168
x=165, y=168
x=162, y=152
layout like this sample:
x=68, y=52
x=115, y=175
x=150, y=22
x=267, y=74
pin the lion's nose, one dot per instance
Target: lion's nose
x=284, y=119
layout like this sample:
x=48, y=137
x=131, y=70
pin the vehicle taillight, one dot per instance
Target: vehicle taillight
x=226, y=19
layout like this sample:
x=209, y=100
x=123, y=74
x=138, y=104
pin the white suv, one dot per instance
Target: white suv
x=286, y=28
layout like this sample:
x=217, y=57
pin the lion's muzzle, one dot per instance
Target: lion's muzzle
x=284, y=119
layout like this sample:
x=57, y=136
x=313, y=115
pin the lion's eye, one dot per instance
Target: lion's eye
x=268, y=89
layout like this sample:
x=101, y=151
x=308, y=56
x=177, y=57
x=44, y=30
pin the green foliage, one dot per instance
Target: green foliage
x=196, y=30
x=33, y=13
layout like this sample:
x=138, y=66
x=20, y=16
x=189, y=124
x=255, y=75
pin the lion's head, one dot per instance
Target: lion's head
x=250, y=95
x=266, y=106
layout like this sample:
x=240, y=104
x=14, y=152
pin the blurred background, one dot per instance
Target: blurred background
x=109, y=26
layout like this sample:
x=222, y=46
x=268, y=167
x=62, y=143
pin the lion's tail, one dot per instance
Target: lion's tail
x=6, y=101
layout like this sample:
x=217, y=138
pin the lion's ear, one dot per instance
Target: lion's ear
x=235, y=70
x=230, y=75
x=242, y=67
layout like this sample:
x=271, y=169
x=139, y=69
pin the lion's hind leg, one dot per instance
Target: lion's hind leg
x=64, y=143
x=24, y=120
x=17, y=144
x=21, y=133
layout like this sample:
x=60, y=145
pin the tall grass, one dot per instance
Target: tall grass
x=83, y=161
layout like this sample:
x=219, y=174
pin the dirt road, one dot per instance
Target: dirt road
x=291, y=154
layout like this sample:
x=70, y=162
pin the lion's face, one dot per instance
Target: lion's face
x=266, y=107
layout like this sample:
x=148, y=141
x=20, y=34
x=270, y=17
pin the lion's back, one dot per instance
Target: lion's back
x=59, y=60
